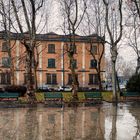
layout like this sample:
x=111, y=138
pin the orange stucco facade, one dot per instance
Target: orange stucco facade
x=60, y=58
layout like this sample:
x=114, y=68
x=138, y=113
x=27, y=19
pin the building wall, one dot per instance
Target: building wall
x=82, y=56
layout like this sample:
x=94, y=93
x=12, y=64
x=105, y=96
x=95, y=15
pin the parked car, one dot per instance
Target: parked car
x=64, y=88
x=122, y=86
x=43, y=88
x=48, y=87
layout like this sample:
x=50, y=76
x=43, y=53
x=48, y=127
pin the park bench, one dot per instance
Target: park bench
x=134, y=95
x=93, y=97
x=53, y=97
x=9, y=96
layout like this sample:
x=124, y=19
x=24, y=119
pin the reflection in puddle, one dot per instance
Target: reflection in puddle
x=84, y=123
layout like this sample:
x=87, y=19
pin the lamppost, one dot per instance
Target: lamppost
x=63, y=57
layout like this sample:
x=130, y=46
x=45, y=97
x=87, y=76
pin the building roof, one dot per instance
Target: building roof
x=51, y=36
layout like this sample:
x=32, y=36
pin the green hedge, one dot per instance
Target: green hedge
x=67, y=97
x=134, y=83
x=107, y=96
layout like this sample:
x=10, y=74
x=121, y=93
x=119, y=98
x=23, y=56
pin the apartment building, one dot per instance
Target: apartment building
x=54, y=64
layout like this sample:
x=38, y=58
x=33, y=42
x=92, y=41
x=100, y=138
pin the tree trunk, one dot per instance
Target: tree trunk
x=138, y=66
x=36, y=63
x=99, y=81
x=75, y=84
x=12, y=74
x=11, y=61
x=117, y=80
x=115, y=97
x=30, y=86
x=35, y=78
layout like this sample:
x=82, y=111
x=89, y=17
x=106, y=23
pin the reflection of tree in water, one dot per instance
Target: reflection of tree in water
x=96, y=129
x=135, y=112
x=100, y=124
x=51, y=130
x=138, y=131
x=114, y=120
x=31, y=126
x=72, y=124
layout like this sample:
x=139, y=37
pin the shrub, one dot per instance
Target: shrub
x=15, y=88
x=134, y=83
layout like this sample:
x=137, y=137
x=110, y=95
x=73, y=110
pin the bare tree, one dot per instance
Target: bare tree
x=114, y=28
x=5, y=13
x=132, y=24
x=95, y=23
x=137, y=6
x=29, y=10
x=124, y=68
x=72, y=20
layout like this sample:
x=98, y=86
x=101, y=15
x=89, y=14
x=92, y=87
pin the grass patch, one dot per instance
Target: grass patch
x=81, y=96
x=40, y=97
x=107, y=96
x=67, y=96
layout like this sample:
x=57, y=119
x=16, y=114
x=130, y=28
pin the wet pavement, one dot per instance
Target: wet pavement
x=101, y=122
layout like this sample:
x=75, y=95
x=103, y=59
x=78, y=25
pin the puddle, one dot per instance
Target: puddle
x=103, y=122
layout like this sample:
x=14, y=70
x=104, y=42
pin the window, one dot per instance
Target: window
x=73, y=64
x=93, y=49
x=51, y=78
x=93, y=63
x=26, y=76
x=5, y=62
x=70, y=79
x=93, y=79
x=51, y=63
x=4, y=47
x=51, y=48
x=5, y=78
